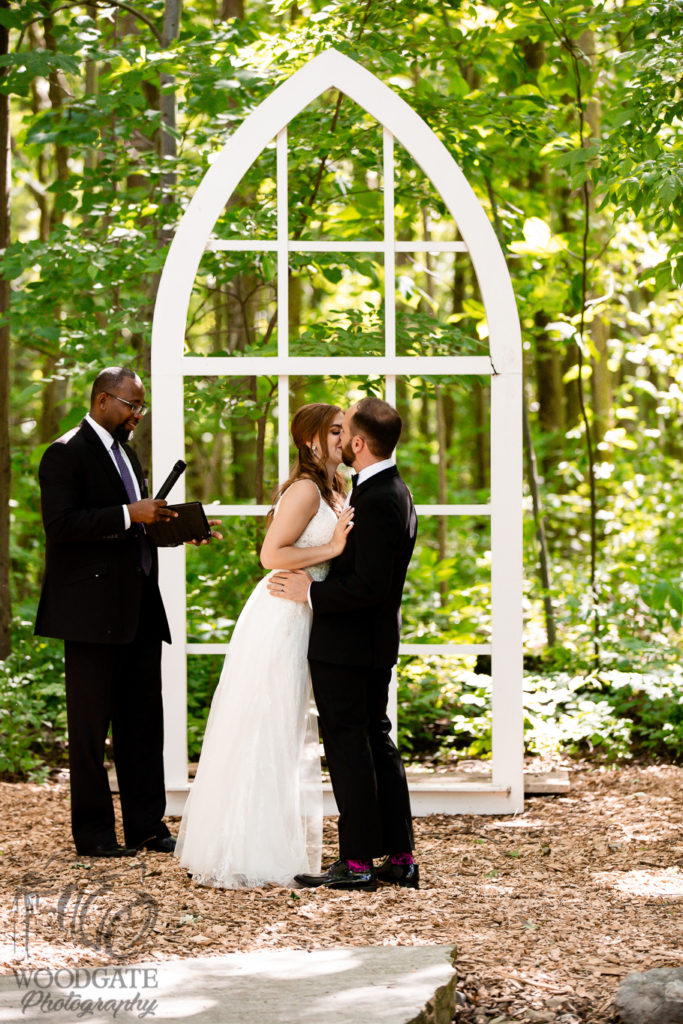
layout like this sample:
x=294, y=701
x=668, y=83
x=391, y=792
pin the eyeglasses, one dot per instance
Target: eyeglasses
x=137, y=410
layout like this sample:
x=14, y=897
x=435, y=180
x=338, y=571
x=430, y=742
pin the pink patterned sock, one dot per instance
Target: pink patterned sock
x=402, y=858
x=359, y=865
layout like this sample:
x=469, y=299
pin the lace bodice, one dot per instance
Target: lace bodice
x=319, y=531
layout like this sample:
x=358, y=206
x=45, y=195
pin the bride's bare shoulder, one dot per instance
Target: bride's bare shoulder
x=302, y=494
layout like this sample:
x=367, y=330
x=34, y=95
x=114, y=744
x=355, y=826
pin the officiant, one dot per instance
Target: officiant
x=100, y=594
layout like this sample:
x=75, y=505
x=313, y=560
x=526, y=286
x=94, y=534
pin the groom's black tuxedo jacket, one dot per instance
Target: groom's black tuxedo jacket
x=357, y=609
x=93, y=583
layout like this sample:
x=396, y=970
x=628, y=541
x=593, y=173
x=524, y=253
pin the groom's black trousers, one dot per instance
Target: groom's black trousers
x=367, y=774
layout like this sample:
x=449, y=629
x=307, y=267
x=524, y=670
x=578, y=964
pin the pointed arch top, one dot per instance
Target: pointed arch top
x=332, y=69
x=268, y=122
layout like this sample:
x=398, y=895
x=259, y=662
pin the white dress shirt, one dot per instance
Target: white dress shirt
x=107, y=440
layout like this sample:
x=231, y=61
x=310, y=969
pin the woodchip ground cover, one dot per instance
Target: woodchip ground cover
x=546, y=910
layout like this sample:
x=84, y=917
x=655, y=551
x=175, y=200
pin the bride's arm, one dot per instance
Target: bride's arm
x=297, y=507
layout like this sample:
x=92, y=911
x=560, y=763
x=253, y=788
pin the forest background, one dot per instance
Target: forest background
x=566, y=120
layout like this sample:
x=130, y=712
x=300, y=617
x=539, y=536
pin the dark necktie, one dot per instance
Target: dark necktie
x=145, y=553
x=354, y=481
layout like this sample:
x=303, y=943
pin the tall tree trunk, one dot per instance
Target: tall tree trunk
x=572, y=406
x=403, y=406
x=480, y=461
x=601, y=379
x=91, y=156
x=441, y=520
x=52, y=407
x=48, y=417
x=167, y=105
x=5, y=463
x=544, y=558
x=167, y=152
x=544, y=562
x=549, y=390
x=244, y=447
x=440, y=425
x=240, y=313
x=565, y=225
x=482, y=458
x=548, y=361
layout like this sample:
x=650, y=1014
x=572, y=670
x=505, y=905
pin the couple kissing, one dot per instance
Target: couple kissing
x=326, y=616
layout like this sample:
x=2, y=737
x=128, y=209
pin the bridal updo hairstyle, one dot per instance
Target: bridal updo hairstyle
x=308, y=422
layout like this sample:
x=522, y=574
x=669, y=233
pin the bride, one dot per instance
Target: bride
x=254, y=813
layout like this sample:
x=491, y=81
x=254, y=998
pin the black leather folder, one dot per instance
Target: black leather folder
x=191, y=524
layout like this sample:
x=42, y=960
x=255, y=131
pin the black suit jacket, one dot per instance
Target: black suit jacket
x=357, y=609
x=93, y=582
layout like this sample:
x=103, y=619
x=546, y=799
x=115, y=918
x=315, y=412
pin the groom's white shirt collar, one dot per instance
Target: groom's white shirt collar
x=370, y=471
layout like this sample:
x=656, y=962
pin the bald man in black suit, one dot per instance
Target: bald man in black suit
x=100, y=595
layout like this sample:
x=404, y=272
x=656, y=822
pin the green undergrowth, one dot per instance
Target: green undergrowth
x=444, y=710
x=611, y=715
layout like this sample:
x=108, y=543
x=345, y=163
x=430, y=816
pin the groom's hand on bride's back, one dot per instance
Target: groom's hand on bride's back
x=293, y=586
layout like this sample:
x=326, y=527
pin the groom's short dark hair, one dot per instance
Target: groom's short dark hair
x=379, y=424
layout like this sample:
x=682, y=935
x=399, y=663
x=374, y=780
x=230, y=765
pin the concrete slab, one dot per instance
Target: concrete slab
x=346, y=985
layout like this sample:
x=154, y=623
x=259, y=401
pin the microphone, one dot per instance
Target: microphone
x=172, y=478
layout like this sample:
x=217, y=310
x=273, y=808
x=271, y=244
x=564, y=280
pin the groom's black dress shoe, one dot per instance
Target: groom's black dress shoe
x=340, y=876
x=108, y=850
x=163, y=844
x=406, y=875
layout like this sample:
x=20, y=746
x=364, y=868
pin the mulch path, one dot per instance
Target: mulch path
x=547, y=910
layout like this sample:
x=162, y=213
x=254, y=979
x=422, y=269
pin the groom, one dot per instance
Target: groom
x=353, y=647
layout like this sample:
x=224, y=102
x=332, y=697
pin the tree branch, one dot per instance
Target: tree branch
x=95, y=3
x=575, y=53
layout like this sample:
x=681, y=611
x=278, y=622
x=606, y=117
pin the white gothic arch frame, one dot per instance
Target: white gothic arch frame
x=504, y=792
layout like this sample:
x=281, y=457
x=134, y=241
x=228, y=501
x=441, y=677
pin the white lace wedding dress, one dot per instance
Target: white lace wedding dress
x=254, y=813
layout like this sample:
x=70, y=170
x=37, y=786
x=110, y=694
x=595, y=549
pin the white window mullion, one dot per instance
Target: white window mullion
x=270, y=245
x=390, y=335
x=333, y=366
x=507, y=747
x=282, y=305
x=389, y=263
x=422, y=510
x=282, y=428
x=282, y=248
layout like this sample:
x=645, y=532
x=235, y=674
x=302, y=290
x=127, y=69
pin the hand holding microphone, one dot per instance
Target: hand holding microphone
x=150, y=510
x=192, y=526
x=154, y=510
